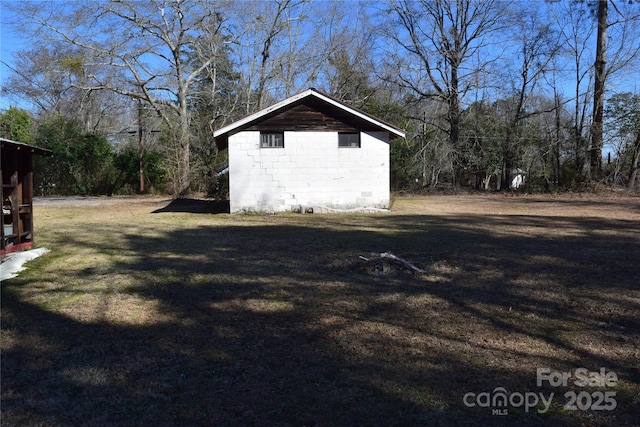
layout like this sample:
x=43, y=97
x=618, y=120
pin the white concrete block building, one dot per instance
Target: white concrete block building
x=308, y=151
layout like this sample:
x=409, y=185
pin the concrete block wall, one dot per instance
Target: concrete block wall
x=311, y=170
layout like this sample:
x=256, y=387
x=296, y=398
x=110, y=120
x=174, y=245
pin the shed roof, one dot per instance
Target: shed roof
x=8, y=144
x=222, y=134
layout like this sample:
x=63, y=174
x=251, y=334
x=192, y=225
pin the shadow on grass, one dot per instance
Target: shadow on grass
x=575, y=202
x=196, y=206
x=281, y=324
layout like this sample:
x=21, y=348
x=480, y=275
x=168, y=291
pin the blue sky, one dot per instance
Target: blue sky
x=9, y=43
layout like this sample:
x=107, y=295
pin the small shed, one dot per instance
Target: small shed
x=310, y=150
x=16, y=161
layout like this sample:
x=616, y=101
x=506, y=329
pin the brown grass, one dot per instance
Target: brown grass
x=147, y=314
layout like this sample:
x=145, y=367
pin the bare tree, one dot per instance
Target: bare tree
x=574, y=23
x=146, y=44
x=623, y=114
x=49, y=78
x=276, y=25
x=348, y=67
x=598, y=92
x=623, y=53
x=439, y=43
x=272, y=42
x=535, y=47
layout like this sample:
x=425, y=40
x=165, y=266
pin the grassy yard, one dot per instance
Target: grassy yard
x=147, y=312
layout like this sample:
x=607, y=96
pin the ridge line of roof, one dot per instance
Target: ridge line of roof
x=311, y=91
x=361, y=112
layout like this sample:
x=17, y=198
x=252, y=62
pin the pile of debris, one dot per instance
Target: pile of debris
x=328, y=210
x=385, y=263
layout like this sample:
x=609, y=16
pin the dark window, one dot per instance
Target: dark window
x=349, y=139
x=272, y=140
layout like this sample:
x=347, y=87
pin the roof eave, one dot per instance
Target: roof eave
x=238, y=125
x=19, y=146
x=390, y=128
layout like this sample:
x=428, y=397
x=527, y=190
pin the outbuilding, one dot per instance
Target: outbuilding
x=308, y=151
x=16, y=161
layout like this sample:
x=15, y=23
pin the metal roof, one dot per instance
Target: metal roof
x=19, y=146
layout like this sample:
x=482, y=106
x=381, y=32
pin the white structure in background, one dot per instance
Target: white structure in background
x=517, y=182
x=308, y=151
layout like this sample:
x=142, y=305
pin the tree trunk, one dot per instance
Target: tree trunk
x=598, y=96
x=633, y=176
x=557, y=141
x=274, y=30
x=140, y=147
x=184, y=168
x=454, y=119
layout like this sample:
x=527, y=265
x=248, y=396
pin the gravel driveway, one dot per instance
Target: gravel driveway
x=80, y=201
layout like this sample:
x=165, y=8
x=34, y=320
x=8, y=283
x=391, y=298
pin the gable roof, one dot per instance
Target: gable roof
x=221, y=135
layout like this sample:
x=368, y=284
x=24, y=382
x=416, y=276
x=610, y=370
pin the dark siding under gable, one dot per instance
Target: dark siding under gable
x=312, y=115
x=307, y=111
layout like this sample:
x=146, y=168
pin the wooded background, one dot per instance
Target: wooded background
x=127, y=93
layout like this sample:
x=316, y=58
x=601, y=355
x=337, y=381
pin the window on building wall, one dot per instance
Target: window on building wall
x=271, y=140
x=349, y=139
